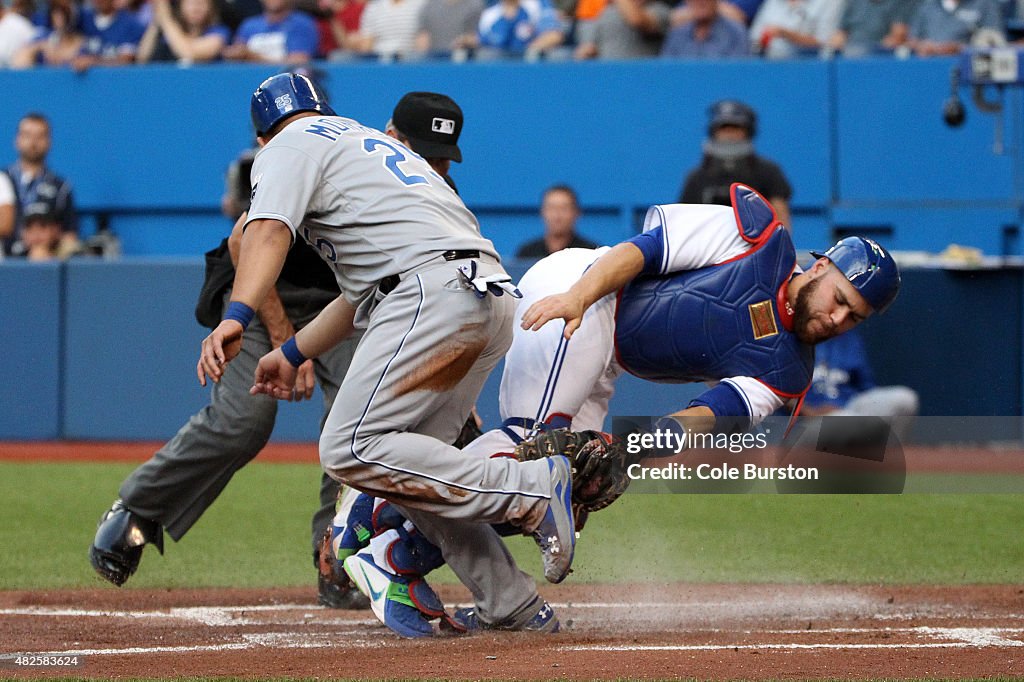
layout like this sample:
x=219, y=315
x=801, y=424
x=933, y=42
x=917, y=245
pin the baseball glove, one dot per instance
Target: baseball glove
x=599, y=463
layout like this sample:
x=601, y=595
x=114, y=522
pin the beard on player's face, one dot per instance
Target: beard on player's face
x=811, y=324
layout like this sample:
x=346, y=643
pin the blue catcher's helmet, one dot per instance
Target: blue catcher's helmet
x=869, y=267
x=283, y=95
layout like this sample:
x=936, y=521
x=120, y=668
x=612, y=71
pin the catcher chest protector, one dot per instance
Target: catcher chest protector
x=722, y=320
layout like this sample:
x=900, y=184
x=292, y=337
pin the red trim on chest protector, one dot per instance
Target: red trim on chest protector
x=782, y=300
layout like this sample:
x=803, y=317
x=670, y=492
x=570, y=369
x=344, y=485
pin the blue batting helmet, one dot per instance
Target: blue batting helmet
x=869, y=267
x=281, y=96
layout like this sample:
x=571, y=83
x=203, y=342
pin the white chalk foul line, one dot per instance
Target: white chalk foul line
x=212, y=616
x=280, y=640
x=963, y=638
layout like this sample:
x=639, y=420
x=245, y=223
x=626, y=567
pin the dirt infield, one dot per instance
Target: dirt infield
x=655, y=631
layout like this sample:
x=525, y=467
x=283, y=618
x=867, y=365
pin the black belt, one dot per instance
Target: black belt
x=388, y=284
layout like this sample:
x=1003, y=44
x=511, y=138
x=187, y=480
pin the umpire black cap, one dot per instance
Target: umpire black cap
x=732, y=112
x=432, y=122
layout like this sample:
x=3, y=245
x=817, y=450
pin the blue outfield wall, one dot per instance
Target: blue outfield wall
x=31, y=338
x=107, y=350
x=861, y=140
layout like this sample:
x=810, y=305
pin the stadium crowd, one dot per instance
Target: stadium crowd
x=81, y=35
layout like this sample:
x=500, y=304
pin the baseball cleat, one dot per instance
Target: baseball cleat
x=120, y=538
x=544, y=620
x=556, y=534
x=405, y=606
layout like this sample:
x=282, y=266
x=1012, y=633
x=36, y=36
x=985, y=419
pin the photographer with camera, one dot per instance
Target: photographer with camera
x=729, y=156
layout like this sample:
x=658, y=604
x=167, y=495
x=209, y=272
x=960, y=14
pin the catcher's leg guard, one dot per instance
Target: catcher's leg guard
x=405, y=605
x=347, y=534
x=120, y=538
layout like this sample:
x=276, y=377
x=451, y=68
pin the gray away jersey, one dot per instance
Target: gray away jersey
x=369, y=205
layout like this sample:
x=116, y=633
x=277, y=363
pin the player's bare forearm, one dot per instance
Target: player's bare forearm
x=271, y=311
x=264, y=247
x=331, y=326
x=609, y=273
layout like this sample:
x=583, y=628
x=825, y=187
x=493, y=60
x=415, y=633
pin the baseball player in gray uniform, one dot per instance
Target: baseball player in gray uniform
x=437, y=309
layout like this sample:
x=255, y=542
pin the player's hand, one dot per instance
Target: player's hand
x=276, y=377
x=218, y=349
x=567, y=306
x=305, y=378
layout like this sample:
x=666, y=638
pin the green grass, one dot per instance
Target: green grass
x=257, y=535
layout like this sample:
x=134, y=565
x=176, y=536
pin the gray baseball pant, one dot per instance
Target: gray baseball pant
x=429, y=346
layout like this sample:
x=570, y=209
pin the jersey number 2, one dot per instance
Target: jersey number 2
x=393, y=157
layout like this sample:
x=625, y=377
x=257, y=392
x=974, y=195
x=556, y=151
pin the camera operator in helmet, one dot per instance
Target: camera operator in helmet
x=729, y=157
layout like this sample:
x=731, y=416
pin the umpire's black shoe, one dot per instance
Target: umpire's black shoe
x=120, y=538
x=344, y=596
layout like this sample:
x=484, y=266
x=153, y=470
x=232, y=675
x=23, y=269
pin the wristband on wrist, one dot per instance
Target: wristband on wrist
x=240, y=313
x=292, y=353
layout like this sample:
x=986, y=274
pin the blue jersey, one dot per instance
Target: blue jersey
x=841, y=371
x=112, y=35
x=514, y=35
x=296, y=33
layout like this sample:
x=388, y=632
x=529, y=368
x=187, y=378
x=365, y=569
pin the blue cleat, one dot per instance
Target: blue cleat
x=556, y=534
x=403, y=605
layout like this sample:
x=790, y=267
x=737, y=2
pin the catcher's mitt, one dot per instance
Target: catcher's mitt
x=599, y=463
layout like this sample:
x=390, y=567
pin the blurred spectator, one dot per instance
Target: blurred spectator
x=706, y=34
x=448, y=26
x=140, y=9
x=745, y=9
x=34, y=182
x=40, y=236
x=869, y=25
x=189, y=34
x=111, y=36
x=281, y=35
x=587, y=10
x=784, y=28
x=559, y=209
x=8, y=212
x=626, y=29
x=682, y=13
x=234, y=12
x=844, y=384
x=519, y=28
x=59, y=40
x=387, y=28
x=729, y=157
x=16, y=32
x=944, y=27
x=340, y=26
